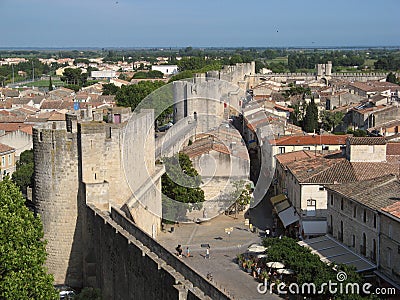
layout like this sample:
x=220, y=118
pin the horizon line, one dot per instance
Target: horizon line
x=194, y=47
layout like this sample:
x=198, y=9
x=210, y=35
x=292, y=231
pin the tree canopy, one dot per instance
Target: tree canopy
x=23, y=176
x=22, y=249
x=132, y=95
x=180, y=184
x=310, y=122
x=148, y=75
x=74, y=76
x=309, y=268
x=110, y=89
x=331, y=119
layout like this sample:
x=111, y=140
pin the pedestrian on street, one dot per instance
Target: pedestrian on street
x=207, y=253
x=179, y=250
x=187, y=252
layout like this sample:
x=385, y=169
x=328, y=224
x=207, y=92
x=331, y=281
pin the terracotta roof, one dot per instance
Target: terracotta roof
x=204, y=145
x=285, y=158
x=7, y=113
x=6, y=148
x=393, y=148
x=363, y=86
x=10, y=127
x=279, y=107
x=393, y=209
x=10, y=93
x=21, y=101
x=367, y=140
x=375, y=193
x=334, y=168
x=311, y=140
x=57, y=104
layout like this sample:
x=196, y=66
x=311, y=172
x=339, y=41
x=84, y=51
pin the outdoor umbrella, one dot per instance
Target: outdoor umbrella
x=285, y=271
x=275, y=265
x=256, y=248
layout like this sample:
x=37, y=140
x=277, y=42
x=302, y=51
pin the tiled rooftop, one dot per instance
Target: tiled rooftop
x=393, y=209
x=311, y=140
x=375, y=193
x=5, y=148
x=367, y=141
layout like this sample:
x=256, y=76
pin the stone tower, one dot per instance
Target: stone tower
x=83, y=160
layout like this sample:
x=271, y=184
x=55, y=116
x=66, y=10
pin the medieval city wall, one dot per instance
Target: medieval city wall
x=126, y=263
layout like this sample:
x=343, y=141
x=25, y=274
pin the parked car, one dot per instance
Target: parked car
x=165, y=127
x=65, y=291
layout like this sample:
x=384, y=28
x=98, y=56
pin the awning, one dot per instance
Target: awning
x=281, y=206
x=288, y=216
x=331, y=251
x=278, y=198
x=314, y=227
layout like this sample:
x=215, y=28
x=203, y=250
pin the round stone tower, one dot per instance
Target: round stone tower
x=56, y=197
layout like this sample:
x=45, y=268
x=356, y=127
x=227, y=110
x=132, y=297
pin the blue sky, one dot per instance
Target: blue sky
x=204, y=23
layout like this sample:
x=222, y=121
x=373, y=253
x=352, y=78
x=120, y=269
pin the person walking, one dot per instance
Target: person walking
x=179, y=250
x=207, y=253
x=187, y=252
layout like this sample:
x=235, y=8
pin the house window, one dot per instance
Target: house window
x=3, y=161
x=306, y=148
x=341, y=204
x=365, y=216
x=355, y=212
x=331, y=199
x=311, y=207
x=374, y=221
x=324, y=147
x=108, y=133
x=321, y=188
x=390, y=231
x=389, y=257
x=353, y=244
x=281, y=150
x=9, y=160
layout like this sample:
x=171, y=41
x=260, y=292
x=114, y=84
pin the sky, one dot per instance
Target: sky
x=202, y=23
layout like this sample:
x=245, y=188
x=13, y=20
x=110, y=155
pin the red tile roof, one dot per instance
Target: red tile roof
x=311, y=140
x=367, y=141
x=393, y=209
x=10, y=127
x=6, y=148
x=393, y=148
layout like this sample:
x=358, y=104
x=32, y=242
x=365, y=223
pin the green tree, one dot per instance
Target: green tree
x=191, y=63
x=89, y=293
x=331, y=119
x=132, y=95
x=74, y=76
x=310, y=122
x=110, y=89
x=391, y=78
x=359, y=133
x=180, y=184
x=22, y=249
x=23, y=176
x=50, y=84
x=309, y=268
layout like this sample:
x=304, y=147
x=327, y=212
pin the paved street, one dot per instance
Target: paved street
x=225, y=271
